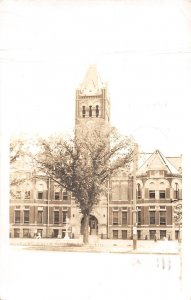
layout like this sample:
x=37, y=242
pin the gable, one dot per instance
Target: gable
x=157, y=164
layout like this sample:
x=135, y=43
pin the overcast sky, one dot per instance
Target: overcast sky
x=142, y=50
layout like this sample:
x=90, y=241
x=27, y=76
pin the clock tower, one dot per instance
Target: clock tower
x=92, y=100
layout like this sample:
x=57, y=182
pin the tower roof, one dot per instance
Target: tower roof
x=92, y=83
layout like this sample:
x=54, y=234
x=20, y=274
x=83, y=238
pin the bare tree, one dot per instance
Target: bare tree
x=84, y=163
x=18, y=152
x=16, y=149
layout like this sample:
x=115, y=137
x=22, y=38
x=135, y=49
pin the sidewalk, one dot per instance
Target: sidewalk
x=99, y=245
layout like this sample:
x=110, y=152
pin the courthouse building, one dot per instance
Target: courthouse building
x=39, y=205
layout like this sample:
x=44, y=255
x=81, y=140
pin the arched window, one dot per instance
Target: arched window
x=90, y=111
x=97, y=111
x=83, y=111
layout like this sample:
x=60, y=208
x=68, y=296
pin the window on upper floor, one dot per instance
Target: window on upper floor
x=64, y=216
x=151, y=194
x=40, y=195
x=162, y=217
x=56, y=196
x=17, y=216
x=162, y=194
x=124, y=217
x=97, y=111
x=26, y=216
x=90, y=111
x=65, y=195
x=83, y=111
x=176, y=191
x=40, y=191
x=115, y=218
x=138, y=191
x=40, y=216
x=139, y=217
x=152, y=217
x=56, y=217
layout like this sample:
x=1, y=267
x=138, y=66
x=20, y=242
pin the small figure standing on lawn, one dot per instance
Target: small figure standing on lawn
x=155, y=238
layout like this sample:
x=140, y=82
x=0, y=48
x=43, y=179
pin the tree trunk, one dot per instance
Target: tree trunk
x=86, y=229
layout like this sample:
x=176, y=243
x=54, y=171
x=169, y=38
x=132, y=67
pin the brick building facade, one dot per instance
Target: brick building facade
x=39, y=205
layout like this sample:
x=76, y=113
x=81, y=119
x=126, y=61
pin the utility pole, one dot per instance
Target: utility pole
x=108, y=199
x=48, y=209
x=135, y=157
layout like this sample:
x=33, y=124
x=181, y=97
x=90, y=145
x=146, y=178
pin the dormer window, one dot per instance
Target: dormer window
x=97, y=111
x=83, y=111
x=90, y=111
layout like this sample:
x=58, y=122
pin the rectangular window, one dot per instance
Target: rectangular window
x=162, y=217
x=40, y=195
x=176, y=194
x=138, y=234
x=162, y=234
x=151, y=194
x=124, y=217
x=139, y=217
x=162, y=194
x=64, y=215
x=26, y=216
x=115, y=217
x=56, y=217
x=83, y=111
x=55, y=233
x=27, y=194
x=162, y=207
x=65, y=195
x=176, y=234
x=139, y=194
x=124, y=234
x=17, y=216
x=26, y=233
x=152, y=217
x=115, y=234
x=152, y=234
x=152, y=207
x=40, y=217
x=16, y=232
x=56, y=196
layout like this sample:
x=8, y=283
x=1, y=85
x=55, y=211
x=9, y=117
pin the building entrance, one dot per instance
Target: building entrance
x=93, y=225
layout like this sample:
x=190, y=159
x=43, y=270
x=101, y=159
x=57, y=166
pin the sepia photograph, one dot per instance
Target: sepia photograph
x=94, y=151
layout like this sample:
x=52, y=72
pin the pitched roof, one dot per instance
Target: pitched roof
x=157, y=161
x=92, y=83
x=176, y=161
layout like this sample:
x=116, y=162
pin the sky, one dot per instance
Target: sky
x=141, y=48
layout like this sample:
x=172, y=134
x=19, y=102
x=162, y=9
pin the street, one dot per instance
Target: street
x=59, y=275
